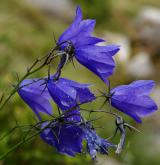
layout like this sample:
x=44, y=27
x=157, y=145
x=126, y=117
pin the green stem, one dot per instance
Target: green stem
x=17, y=86
x=26, y=139
x=30, y=72
x=37, y=133
x=17, y=145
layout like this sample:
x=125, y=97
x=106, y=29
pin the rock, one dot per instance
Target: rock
x=62, y=8
x=140, y=66
x=107, y=161
x=150, y=14
x=148, y=26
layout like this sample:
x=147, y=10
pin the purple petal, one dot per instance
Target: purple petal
x=134, y=106
x=79, y=30
x=31, y=86
x=133, y=99
x=85, y=41
x=140, y=87
x=73, y=116
x=72, y=30
x=86, y=27
x=83, y=94
x=66, y=138
x=98, y=59
x=94, y=142
x=67, y=93
x=64, y=96
x=143, y=86
x=36, y=96
x=109, y=50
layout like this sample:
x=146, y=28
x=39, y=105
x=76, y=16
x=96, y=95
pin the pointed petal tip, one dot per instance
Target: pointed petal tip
x=135, y=117
x=101, y=40
x=117, y=47
x=152, y=83
x=78, y=11
x=139, y=121
x=156, y=107
x=114, y=48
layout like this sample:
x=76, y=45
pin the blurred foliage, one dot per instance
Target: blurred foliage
x=27, y=33
x=99, y=10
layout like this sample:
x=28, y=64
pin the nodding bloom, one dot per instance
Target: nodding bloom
x=78, y=41
x=66, y=138
x=36, y=95
x=94, y=142
x=67, y=94
x=63, y=134
x=134, y=99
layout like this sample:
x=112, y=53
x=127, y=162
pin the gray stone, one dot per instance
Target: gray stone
x=60, y=7
x=148, y=26
x=140, y=66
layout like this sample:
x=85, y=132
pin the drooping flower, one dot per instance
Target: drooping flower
x=134, y=99
x=94, y=142
x=36, y=95
x=67, y=94
x=67, y=138
x=78, y=41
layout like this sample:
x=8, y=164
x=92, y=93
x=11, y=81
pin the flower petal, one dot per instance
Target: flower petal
x=133, y=99
x=36, y=96
x=72, y=30
x=85, y=41
x=67, y=93
x=98, y=59
x=66, y=138
x=94, y=142
x=139, y=87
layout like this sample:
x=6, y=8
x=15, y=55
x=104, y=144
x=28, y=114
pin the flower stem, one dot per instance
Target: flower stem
x=25, y=139
x=46, y=60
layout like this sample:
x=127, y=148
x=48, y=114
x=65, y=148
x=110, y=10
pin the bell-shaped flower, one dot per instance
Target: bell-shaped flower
x=134, y=99
x=78, y=41
x=67, y=94
x=66, y=138
x=98, y=59
x=94, y=142
x=36, y=95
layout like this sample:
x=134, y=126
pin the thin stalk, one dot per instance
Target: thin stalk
x=29, y=72
x=27, y=139
x=23, y=142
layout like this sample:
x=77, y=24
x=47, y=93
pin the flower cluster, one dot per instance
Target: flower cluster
x=68, y=131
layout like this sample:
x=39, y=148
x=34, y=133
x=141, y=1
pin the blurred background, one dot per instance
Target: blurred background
x=26, y=32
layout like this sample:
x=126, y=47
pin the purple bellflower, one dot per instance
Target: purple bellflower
x=78, y=41
x=67, y=131
x=134, y=99
x=67, y=94
x=94, y=142
x=66, y=138
x=34, y=93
